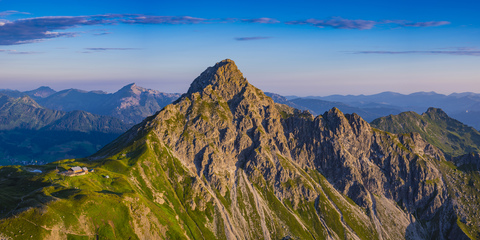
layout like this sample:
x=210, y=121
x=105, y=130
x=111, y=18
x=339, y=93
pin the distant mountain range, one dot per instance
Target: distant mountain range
x=30, y=133
x=464, y=107
x=130, y=104
x=44, y=125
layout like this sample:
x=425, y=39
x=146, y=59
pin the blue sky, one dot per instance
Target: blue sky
x=288, y=47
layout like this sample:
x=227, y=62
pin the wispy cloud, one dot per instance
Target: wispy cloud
x=145, y=19
x=338, y=23
x=341, y=23
x=425, y=24
x=111, y=49
x=24, y=53
x=38, y=29
x=7, y=51
x=104, y=49
x=250, y=38
x=261, y=20
x=462, y=48
x=452, y=52
x=11, y=12
x=102, y=33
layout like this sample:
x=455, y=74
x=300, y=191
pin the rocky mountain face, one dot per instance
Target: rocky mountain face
x=226, y=162
x=435, y=126
x=31, y=133
x=130, y=104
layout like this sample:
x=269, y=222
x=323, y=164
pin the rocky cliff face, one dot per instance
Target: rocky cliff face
x=225, y=162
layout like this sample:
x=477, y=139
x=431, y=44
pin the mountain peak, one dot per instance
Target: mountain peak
x=132, y=87
x=41, y=92
x=129, y=86
x=29, y=101
x=436, y=112
x=223, y=77
x=44, y=88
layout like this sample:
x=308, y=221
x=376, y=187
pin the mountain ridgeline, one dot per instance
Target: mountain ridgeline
x=368, y=111
x=130, y=104
x=226, y=162
x=462, y=106
x=435, y=126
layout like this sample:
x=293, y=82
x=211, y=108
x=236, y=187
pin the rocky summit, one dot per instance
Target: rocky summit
x=226, y=162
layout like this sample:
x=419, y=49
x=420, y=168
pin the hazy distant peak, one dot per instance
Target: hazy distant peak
x=431, y=93
x=276, y=97
x=98, y=92
x=387, y=93
x=44, y=88
x=23, y=99
x=28, y=101
x=132, y=88
x=72, y=90
x=464, y=94
x=41, y=92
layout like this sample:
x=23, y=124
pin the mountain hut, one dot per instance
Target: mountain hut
x=76, y=169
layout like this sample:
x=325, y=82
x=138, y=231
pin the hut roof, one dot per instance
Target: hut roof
x=76, y=169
